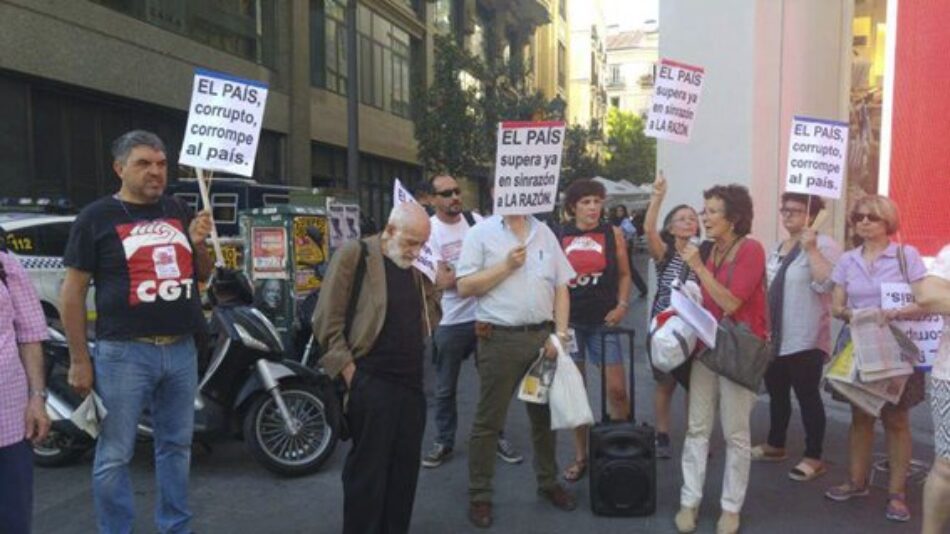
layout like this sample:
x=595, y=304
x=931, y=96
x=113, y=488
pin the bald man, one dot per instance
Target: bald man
x=379, y=356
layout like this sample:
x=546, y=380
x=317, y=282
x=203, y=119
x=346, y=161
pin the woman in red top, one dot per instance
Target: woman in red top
x=733, y=284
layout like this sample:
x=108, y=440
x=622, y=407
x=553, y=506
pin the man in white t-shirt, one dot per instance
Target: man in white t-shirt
x=454, y=339
x=933, y=294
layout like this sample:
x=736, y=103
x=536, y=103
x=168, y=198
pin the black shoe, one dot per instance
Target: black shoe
x=507, y=452
x=479, y=514
x=436, y=456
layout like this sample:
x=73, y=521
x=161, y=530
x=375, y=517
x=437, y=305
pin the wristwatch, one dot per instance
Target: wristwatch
x=42, y=393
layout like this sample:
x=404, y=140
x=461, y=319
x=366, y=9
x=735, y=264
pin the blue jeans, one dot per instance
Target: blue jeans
x=130, y=377
x=453, y=343
x=589, y=346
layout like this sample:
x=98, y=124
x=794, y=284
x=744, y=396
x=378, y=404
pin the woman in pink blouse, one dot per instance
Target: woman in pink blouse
x=858, y=278
x=733, y=284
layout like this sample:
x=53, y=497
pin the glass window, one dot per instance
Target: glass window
x=328, y=45
x=444, y=16
x=561, y=66
x=224, y=207
x=385, y=65
x=241, y=27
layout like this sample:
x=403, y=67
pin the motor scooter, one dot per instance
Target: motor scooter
x=286, y=413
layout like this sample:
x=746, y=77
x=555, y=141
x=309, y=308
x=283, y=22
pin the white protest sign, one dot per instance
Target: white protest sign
x=676, y=93
x=224, y=123
x=924, y=332
x=817, y=157
x=428, y=259
x=527, y=167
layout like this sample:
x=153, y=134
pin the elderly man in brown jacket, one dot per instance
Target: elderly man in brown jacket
x=380, y=357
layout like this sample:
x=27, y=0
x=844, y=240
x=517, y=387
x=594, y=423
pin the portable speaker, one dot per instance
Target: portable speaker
x=622, y=456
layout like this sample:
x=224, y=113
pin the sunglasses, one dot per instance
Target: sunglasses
x=858, y=217
x=449, y=192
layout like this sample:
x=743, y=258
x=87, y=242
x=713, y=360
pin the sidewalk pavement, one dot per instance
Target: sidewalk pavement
x=231, y=494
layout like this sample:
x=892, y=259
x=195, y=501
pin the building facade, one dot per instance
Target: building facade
x=631, y=56
x=552, y=42
x=74, y=74
x=869, y=63
x=587, y=95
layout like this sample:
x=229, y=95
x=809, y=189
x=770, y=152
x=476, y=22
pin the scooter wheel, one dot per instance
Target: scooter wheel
x=57, y=450
x=285, y=453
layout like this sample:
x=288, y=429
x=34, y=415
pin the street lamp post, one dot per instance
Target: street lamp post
x=352, y=100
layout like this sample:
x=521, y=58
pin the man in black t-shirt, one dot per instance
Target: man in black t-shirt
x=145, y=253
x=379, y=355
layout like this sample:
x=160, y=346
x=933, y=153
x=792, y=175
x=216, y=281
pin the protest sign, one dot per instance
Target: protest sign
x=428, y=260
x=676, y=93
x=817, y=157
x=224, y=123
x=527, y=167
x=924, y=332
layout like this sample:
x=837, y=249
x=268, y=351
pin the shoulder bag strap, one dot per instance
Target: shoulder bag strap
x=469, y=218
x=355, y=290
x=902, y=263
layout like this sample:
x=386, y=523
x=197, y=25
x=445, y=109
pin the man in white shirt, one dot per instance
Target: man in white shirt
x=454, y=339
x=515, y=266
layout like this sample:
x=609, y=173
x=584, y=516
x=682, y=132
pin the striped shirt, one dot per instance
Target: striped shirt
x=668, y=271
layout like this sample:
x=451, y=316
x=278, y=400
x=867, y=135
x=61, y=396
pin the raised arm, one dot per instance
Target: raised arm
x=655, y=243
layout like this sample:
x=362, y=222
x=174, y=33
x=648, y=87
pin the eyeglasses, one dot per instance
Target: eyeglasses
x=710, y=212
x=685, y=220
x=448, y=193
x=858, y=217
x=788, y=212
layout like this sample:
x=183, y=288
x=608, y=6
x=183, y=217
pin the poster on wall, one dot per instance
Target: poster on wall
x=351, y=216
x=676, y=92
x=308, y=256
x=269, y=253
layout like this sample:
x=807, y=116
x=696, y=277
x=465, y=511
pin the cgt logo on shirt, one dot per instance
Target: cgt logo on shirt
x=159, y=261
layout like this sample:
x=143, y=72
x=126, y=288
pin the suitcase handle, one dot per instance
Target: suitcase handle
x=615, y=331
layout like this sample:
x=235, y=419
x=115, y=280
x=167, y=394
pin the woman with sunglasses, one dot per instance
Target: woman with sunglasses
x=858, y=278
x=680, y=225
x=799, y=270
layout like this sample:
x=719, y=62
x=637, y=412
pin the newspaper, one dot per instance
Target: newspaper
x=536, y=383
x=871, y=404
x=875, y=347
x=694, y=315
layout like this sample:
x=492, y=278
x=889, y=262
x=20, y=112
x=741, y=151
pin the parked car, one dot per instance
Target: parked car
x=36, y=232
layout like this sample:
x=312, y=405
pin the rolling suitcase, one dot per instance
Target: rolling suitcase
x=622, y=455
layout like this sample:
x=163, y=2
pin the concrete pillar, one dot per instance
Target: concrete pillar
x=765, y=61
x=298, y=138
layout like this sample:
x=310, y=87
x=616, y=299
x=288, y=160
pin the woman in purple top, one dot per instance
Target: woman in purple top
x=858, y=278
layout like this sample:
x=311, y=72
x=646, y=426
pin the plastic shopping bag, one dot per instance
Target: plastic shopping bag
x=671, y=341
x=536, y=383
x=570, y=407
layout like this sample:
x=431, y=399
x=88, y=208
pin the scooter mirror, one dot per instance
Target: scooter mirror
x=231, y=287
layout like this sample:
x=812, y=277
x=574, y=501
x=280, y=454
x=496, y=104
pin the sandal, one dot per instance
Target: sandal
x=575, y=471
x=764, y=453
x=804, y=471
x=897, y=509
x=846, y=491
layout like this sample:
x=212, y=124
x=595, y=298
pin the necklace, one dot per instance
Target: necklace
x=718, y=259
x=129, y=214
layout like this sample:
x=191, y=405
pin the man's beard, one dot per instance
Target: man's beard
x=391, y=250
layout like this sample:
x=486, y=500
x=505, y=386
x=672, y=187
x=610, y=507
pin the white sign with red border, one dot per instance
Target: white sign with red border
x=528, y=167
x=676, y=92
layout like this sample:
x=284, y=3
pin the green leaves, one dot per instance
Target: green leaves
x=631, y=155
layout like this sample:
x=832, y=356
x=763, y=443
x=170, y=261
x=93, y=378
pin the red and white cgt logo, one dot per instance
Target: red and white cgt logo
x=159, y=260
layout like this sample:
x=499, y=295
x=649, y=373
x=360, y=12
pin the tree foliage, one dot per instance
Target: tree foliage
x=457, y=124
x=631, y=155
x=581, y=158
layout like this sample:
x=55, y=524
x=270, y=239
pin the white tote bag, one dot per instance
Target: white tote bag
x=570, y=407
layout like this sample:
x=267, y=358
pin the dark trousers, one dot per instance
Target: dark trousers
x=453, y=344
x=802, y=372
x=634, y=273
x=16, y=488
x=387, y=421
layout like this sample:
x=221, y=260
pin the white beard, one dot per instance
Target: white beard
x=391, y=250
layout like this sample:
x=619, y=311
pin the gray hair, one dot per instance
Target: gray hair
x=129, y=140
x=406, y=215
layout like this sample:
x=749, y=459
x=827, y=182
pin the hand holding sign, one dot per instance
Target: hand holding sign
x=516, y=257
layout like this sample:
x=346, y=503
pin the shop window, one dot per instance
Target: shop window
x=328, y=45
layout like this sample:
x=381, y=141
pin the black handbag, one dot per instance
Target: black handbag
x=739, y=355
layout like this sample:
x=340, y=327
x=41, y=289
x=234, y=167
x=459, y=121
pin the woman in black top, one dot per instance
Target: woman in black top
x=599, y=298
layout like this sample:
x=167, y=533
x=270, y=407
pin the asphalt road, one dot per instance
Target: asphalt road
x=232, y=494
